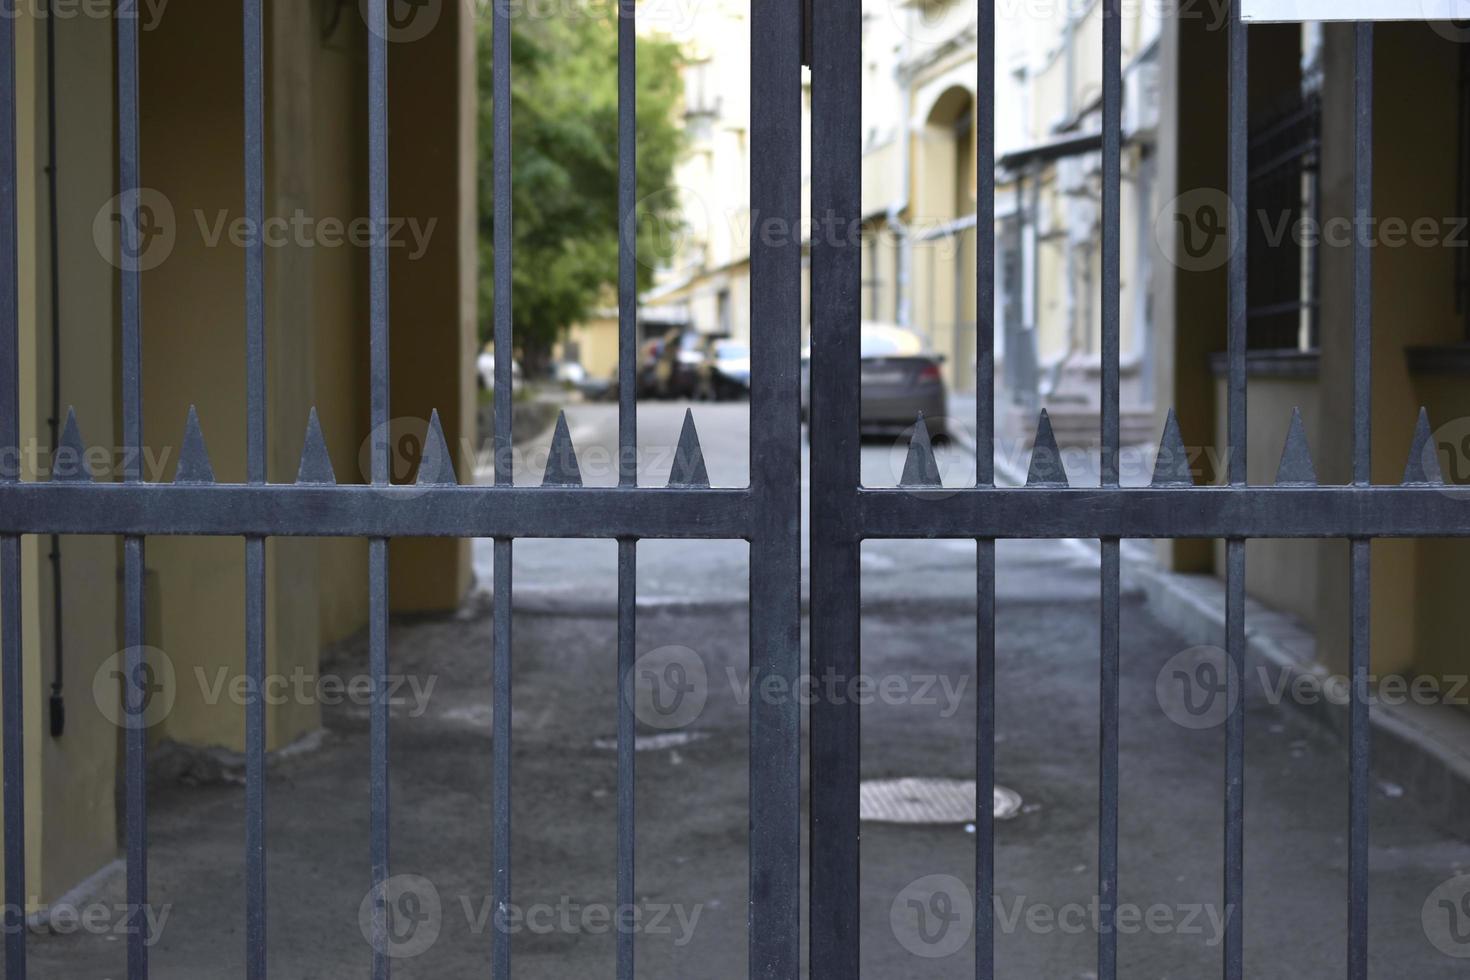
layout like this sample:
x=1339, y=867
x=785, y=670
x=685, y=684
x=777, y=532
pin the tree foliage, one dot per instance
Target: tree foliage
x=564, y=165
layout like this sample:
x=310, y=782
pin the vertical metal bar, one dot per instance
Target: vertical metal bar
x=501, y=189
x=836, y=582
x=135, y=695
x=1236, y=306
x=1112, y=183
x=1107, y=823
x=1359, y=733
x=12, y=726
x=500, y=892
x=985, y=761
x=1359, y=753
x=255, y=435
x=500, y=764
x=775, y=481
x=381, y=470
x=627, y=244
x=627, y=471
x=627, y=730
x=1234, y=892
x=378, y=746
x=1236, y=300
x=985, y=477
x=985, y=246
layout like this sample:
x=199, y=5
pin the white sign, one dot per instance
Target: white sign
x=1261, y=11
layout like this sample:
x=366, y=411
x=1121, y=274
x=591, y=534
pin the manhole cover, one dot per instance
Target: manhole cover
x=929, y=801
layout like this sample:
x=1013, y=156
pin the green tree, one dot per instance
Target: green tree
x=564, y=165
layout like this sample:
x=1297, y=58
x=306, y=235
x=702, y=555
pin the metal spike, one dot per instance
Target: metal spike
x=69, y=460
x=920, y=468
x=1171, y=469
x=1423, y=467
x=561, y=465
x=1047, y=469
x=688, y=470
x=436, y=466
x=316, y=462
x=1296, y=469
x=194, y=466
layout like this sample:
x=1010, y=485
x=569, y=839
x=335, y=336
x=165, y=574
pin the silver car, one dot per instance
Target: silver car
x=901, y=377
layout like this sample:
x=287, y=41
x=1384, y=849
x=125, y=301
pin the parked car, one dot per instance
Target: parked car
x=677, y=370
x=568, y=372
x=485, y=369
x=901, y=377
x=724, y=374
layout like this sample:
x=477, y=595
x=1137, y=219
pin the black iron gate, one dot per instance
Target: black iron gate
x=766, y=513
x=844, y=513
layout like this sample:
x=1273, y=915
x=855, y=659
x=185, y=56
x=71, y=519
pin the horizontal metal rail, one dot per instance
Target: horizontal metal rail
x=288, y=510
x=1166, y=512
x=357, y=511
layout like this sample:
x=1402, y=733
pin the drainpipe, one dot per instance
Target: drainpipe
x=57, y=704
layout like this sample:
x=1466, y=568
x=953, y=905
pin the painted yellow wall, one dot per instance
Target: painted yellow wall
x=1416, y=73
x=70, y=823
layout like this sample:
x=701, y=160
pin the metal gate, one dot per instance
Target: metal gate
x=766, y=513
x=844, y=513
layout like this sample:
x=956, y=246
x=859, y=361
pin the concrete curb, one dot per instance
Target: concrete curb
x=1419, y=751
